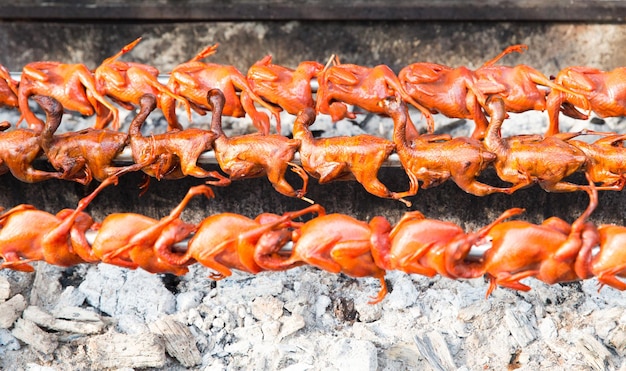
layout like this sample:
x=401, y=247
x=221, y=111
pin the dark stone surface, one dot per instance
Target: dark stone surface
x=459, y=10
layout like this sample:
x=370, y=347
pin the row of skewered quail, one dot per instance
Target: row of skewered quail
x=432, y=88
x=490, y=91
x=553, y=251
x=428, y=160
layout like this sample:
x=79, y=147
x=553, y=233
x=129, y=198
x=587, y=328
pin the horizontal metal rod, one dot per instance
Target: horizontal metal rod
x=208, y=158
x=163, y=79
x=476, y=253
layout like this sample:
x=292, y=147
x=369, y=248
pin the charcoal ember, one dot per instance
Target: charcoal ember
x=354, y=354
x=11, y=310
x=290, y=325
x=76, y=314
x=8, y=342
x=596, y=355
x=114, y=350
x=434, y=349
x=265, y=308
x=520, y=327
x=179, y=341
x=5, y=289
x=116, y=291
x=31, y=334
x=47, y=320
x=70, y=297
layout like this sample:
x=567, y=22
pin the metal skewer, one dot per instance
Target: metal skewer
x=162, y=79
x=476, y=253
x=208, y=157
x=180, y=247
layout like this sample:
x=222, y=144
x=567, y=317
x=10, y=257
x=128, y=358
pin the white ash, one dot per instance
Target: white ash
x=302, y=319
x=8, y=342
